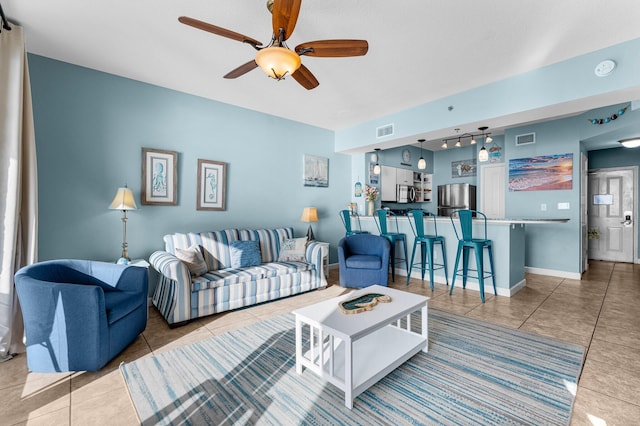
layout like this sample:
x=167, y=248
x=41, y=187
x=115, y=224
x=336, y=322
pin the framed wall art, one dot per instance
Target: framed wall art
x=212, y=183
x=543, y=173
x=464, y=168
x=316, y=171
x=159, y=177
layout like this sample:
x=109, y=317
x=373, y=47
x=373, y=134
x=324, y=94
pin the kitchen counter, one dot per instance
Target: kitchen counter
x=508, y=238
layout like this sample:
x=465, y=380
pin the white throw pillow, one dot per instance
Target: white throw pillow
x=293, y=250
x=193, y=258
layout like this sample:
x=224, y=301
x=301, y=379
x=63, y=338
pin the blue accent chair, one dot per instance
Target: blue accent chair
x=427, y=245
x=80, y=314
x=363, y=260
x=383, y=223
x=466, y=242
x=345, y=216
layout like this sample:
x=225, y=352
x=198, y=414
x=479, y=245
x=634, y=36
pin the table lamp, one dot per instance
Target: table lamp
x=310, y=214
x=124, y=201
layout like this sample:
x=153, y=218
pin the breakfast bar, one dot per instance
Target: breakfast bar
x=508, y=236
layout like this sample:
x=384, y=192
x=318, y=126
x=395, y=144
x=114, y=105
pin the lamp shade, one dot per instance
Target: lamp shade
x=309, y=214
x=483, y=155
x=422, y=163
x=123, y=200
x=276, y=62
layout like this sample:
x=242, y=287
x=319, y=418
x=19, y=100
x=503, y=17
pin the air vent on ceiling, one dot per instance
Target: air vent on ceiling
x=525, y=139
x=386, y=130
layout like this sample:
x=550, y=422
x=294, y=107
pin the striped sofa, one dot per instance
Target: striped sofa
x=180, y=297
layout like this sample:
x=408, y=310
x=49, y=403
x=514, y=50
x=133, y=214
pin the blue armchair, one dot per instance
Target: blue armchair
x=80, y=314
x=363, y=260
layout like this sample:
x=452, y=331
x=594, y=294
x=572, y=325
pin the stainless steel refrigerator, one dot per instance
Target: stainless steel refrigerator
x=456, y=196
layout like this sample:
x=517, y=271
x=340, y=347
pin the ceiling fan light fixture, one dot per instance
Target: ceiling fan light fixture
x=630, y=143
x=277, y=62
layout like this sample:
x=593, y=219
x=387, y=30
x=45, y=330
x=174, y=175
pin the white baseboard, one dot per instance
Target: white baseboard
x=553, y=273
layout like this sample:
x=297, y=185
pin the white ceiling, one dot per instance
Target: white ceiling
x=419, y=50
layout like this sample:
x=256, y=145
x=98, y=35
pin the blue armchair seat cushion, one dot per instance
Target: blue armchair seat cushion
x=363, y=261
x=231, y=276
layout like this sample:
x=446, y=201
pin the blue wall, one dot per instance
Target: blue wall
x=91, y=127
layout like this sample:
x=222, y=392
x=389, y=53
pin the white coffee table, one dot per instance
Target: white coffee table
x=354, y=351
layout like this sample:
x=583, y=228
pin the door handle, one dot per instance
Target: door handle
x=627, y=219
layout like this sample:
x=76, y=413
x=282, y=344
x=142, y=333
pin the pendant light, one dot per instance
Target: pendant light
x=422, y=163
x=376, y=168
x=483, y=155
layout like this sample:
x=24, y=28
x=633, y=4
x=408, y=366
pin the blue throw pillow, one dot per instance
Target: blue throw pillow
x=244, y=253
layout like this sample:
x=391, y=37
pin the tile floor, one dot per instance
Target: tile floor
x=600, y=312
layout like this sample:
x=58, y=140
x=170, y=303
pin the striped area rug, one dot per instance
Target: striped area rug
x=474, y=373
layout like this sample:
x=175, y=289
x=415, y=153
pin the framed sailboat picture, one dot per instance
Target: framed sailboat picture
x=316, y=171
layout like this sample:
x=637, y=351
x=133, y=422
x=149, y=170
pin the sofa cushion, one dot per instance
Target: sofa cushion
x=270, y=242
x=226, y=277
x=244, y=254
x=273, y=269
x=192, y=257
x=363, y=261
x=292, y=249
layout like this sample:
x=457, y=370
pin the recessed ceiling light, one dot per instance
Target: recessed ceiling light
x=630, y=143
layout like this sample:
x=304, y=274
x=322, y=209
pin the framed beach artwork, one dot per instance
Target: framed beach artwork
x=316, y=171
x=547, y=172
x=159, y=177
x=464, y=168
x=212, y=183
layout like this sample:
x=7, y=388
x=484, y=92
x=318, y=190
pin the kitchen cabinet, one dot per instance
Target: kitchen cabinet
x=392, y=176
x=388, y=183
x=404, y=177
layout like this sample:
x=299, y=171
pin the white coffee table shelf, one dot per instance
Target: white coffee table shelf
x=354, y=351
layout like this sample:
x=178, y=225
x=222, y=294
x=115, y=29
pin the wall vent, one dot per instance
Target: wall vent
x=386, y=130
x=525, y=139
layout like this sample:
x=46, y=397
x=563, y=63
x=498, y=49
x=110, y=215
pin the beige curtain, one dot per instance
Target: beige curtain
x=18, y=184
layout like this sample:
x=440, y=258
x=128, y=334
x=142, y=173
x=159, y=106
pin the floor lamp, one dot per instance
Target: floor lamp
x=124, y=201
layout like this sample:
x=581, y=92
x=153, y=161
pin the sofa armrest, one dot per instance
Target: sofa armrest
x=172, y=295
x=313, y=254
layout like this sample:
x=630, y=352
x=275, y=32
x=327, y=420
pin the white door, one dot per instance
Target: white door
x=492, y=190
x=611, y=214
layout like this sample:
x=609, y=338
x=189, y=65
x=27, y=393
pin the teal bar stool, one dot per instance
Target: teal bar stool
x=345, y=216
x=394, y=238
x=427, y=243
x=467, y=242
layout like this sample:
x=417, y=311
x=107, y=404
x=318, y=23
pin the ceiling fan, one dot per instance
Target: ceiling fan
x=276, y=59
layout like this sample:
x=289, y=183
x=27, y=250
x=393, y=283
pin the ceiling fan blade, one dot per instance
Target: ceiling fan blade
x=333, y=48
x=285, y=15
x=305, y=78
x=223, y=32
x=242, y=69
